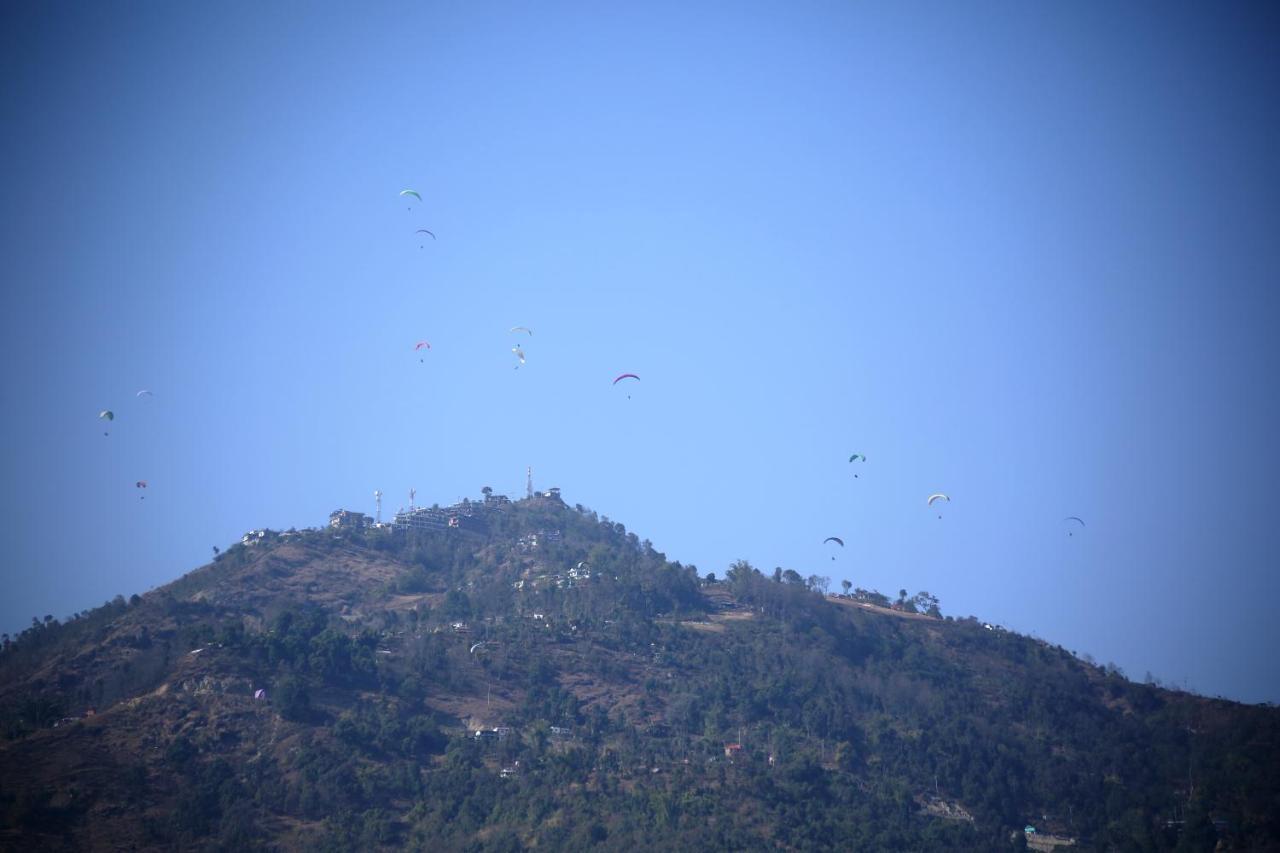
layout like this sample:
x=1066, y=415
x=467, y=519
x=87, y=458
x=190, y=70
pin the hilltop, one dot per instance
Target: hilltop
x=500, y=675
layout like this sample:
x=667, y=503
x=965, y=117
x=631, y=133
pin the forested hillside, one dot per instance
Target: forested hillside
x=540, y=677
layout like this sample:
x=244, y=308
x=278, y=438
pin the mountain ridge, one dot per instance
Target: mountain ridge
x=375, y=686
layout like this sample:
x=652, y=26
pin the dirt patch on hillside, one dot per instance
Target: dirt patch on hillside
x=885, y=611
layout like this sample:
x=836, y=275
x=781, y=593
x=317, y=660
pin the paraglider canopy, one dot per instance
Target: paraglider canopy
x=938, y=496
x=857, y=456
x=108, y=414
x=626, y=376
x=835, y=539
x=521, y=329
x=259, y=694
x=425, y=231
x=144, y=393
x=1076, y=519
x=413, y=193
x=141, y=484
x=420, y=344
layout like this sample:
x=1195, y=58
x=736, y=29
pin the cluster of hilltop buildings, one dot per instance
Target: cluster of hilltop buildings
x=465, y=515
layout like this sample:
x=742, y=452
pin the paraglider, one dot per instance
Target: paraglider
x=521, y=329
x=141, y=484
x=1076, y=519
x=519, y=354
x=476, y=646
x=106, y=414
x=626, y=376
x=144, y=393
x=835, y=539
x=857, y=456
x=259, y=694
x=424, y=231
x=413, y=193
x=938, y=496
x=420, y=345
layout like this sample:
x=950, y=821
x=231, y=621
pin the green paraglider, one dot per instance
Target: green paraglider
x=856, y=457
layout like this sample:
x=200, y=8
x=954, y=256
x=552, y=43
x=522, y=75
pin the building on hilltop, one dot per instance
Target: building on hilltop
x=463, y=515
x=345, y=519
x=254, y=537
x=423, y=518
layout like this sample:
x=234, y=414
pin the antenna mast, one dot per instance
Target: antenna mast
x=377, y=496
x=412, y=493
x=529, y=483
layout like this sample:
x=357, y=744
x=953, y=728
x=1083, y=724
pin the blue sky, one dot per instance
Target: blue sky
x=1023, y=254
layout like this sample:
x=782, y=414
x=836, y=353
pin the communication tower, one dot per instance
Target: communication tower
x=377, y=496
x=529, y=483
x=412, y=493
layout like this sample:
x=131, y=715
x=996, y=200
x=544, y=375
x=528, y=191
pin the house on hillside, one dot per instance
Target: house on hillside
x=732, y=750
x=533, y=541
x=345, y=519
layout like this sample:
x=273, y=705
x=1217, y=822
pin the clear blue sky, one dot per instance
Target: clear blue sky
x=1022, y=253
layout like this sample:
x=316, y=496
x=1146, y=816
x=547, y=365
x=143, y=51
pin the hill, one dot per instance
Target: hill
x=531, y=675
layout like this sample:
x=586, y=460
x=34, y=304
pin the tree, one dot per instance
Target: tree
x=926, y=603
x=846, y=585
x=457, y=605
x=293, y=699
